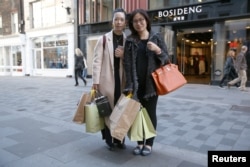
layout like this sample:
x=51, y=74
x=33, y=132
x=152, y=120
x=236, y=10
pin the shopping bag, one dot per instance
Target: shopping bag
x=94, y=123
x=103, y=105
x=123, y=116
x=168, y=78
x=79, y=116
x=142, y=128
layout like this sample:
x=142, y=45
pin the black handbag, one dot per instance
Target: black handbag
x=103, y=105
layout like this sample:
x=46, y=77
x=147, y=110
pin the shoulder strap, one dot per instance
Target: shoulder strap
x=104, y=41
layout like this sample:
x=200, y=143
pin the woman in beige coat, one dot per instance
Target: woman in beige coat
x=108, y=74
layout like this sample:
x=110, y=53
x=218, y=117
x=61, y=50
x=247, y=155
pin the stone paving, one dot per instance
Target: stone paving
x=36, y=127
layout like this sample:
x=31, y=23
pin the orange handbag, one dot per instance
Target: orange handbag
x=168, y=78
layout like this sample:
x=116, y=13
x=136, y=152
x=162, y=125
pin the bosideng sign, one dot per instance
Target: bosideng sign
x=180, y=11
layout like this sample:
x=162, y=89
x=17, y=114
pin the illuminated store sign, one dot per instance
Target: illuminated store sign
x=178, y=13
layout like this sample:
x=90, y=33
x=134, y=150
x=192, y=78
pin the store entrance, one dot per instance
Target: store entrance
x=194, y=48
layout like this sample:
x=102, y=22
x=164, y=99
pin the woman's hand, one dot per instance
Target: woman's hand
x=119, y=51
x=153, y=47
x=95, y=86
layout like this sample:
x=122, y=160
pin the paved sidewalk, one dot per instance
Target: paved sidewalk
x=36, y=127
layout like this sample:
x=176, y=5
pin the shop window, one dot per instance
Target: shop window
x=52, y=53
x=237, y=35
x=55, y=54
x=55, y=57
x=97, y=10
x=36, y=14
x=14, y=23
x=7, y=55
x=37, y=61
x=47, y=13
x=16, y=56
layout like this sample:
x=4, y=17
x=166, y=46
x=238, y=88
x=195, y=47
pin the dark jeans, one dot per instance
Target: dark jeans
x=229, y=76
x=78, y=73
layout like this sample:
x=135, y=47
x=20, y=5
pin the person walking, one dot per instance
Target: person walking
x=79, y=66
x=229, y=70
x=144, y=52
x=108, y=74
x=241, y=67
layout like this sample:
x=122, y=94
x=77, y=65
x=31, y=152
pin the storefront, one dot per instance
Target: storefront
x=11, y=56
x=51, y=52
x=198, y=36
x=203, y=34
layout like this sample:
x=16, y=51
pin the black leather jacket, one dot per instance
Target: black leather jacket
x=154, y=62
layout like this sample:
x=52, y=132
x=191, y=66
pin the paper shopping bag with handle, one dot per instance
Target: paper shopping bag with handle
x=142, y=127
x=79, y=116
x=94, y=123
x=123, y=116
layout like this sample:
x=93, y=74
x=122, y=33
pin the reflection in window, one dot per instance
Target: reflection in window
x=55, y=57
x=16, y=56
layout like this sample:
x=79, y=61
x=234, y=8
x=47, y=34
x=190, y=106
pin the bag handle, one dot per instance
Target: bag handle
x=103, y=41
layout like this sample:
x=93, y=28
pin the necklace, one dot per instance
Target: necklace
x=118, y=39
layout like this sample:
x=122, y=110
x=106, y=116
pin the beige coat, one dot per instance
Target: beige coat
x=103, y=67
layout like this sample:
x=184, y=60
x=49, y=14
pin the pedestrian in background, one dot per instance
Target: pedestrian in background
x=108, y=74
x=241, y=67
x=229, y=70
x=79, y=66
x=144, y=52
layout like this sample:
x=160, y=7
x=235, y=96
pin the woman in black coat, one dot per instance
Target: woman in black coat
x=79, y=66
x=144, y=52
x=229, y=70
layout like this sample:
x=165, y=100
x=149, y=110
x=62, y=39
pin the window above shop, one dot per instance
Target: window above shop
x=46, y=13
x=92, y=11
x=159, y=4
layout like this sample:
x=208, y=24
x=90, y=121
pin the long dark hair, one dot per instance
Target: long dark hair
x=131, y=17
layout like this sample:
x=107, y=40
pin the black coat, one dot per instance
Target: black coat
x=79, y=63
x=229, y=65
x=154, y=62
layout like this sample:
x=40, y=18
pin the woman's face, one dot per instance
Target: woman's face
x=139, y=23
x=119, y=21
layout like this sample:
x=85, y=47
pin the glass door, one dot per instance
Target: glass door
x=37, y=60
x=194, y=54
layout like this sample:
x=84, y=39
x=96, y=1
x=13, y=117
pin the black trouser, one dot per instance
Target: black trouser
x=78, y=73
x=108, y=138
x=230, y=76
x=150, y=105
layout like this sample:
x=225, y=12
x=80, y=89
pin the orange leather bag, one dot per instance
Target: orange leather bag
x=168, y=78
